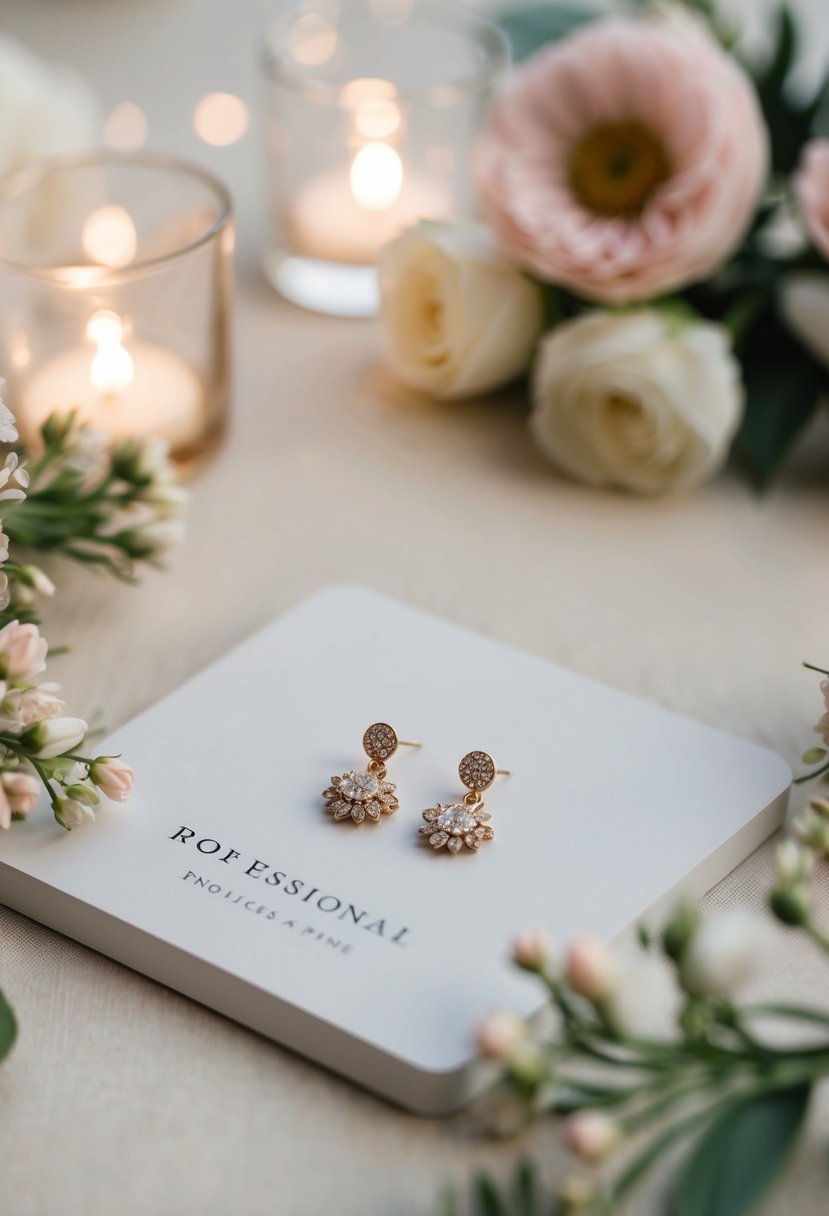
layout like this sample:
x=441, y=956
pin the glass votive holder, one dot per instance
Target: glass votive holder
x=116, y=285
x=370, y=110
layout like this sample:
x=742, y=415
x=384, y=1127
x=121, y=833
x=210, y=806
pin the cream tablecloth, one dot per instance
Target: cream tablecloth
x=124, y=1097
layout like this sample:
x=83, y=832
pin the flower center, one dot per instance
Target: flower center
x=617, y=167
x=456, y=820
x=359, y=787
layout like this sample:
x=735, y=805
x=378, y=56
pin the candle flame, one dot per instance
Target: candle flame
x=376, y=177
x=112, y=369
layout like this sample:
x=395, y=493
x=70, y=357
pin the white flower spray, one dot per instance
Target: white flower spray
x=111, y=508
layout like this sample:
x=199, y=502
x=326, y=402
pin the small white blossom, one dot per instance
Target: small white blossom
x=8, y=428
x=14, y=481
x=72, y=814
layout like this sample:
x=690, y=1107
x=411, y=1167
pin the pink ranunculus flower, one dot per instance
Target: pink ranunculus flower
x=812, y=189
x=625, y=161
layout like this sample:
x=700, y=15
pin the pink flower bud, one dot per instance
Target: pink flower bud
x=590, y=969
x=22, y=651
x=500, y=1035
x=532, y=950
x=114, y=778
x=22, y=790
x=591, y=1135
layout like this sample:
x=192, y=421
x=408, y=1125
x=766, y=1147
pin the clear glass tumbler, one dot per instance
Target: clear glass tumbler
x=116, y=289
x=370, y=110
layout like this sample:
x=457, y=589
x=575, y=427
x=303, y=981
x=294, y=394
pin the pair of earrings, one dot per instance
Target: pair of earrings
x=361, y=795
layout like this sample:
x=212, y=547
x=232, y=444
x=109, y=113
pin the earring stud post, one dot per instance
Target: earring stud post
x=504, y=772
x=407, y=743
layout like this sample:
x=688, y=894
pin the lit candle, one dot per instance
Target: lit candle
x=120, y=390
x=348, y=215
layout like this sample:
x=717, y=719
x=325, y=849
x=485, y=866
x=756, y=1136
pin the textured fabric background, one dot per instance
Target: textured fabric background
x=122, y=1097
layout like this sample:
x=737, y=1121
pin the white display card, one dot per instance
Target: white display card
x=226, y=878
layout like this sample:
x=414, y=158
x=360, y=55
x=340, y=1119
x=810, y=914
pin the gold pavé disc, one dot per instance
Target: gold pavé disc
x=380, y=741
x=477, y=770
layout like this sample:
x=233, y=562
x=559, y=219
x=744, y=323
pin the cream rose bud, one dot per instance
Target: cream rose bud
x=641, y=401
x=113, y=778
x=50, y=739
x=458, y=318
x=591, y=1135
x=71, y=814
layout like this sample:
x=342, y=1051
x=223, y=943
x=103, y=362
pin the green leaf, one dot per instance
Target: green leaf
x=790, y=122
x=446, y=1204
x=742, y=1154
x=528, y=29
x=783, y=389
x=8, y=1028
x=487, y=1200
x=525, y=1190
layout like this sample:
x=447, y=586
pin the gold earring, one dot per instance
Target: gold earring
x=455, y=824
x=357, y=795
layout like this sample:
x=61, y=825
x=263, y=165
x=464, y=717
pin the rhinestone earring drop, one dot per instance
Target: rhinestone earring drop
x=456, y=824
x=361, y=795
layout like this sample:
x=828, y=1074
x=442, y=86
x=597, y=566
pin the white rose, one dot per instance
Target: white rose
x=640, y=400
x=805, y=305
x=459, y=319
x=45, y=108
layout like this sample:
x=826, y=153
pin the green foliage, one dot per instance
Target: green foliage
x=8, y=1028
x=523, y=1197
x=742, y=1154
x=528, y=29
x=783, y=390
x=791, y=122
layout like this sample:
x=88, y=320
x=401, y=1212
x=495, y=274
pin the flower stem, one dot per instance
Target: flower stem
x=811, y=776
